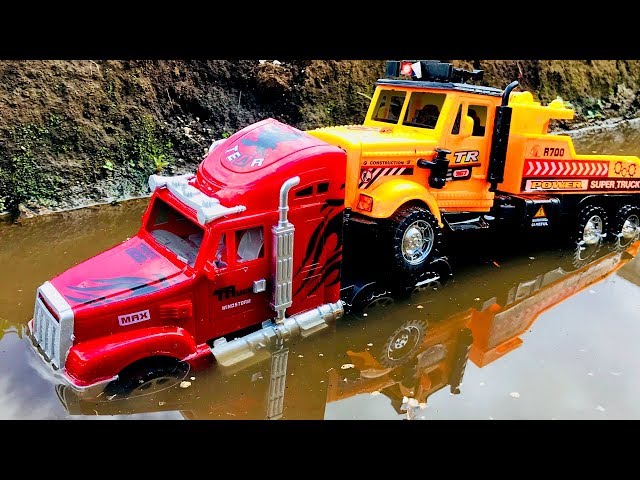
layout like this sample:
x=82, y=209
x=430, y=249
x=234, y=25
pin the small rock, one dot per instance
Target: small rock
x=185, y=384
x=346, y=366
x=161, y=403
x=600, y=408
x=482, y=384
x=419, y=306
x=514, y=395
x=532, y=258
x=320, y=355
x=369, y=344
x=590, y=374
x=592, y=291
x=375, y=393
x=422, y=405
x=477, y=299
x=193, y=378
x=300, y=356
x=365, y=315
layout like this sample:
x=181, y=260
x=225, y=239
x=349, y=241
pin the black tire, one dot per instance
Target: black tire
x=148, y=376
x=375, y=302
x=625, y=220
x=415, y=224
x=378, y=301
x=591, y=227
x=403, y=343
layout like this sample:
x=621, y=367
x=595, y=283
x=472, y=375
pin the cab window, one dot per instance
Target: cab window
x=174, y=231
x=220, y=259
x=389, y=106
x=424, y=109
x=479, y=115
x=249, y=244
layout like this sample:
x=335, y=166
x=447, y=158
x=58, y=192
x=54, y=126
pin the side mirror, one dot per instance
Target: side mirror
x=210, y=270
x=466, y=126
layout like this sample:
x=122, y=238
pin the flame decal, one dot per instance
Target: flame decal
x=331, y=225
x=101, y=290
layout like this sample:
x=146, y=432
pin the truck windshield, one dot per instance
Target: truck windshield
x=175, y=232
x=389, y=106
x=424, y=109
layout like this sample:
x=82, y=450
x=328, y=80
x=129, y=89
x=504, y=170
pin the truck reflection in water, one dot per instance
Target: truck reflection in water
x=413, y=360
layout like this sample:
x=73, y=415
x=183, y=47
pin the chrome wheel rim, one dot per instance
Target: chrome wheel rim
x=403, y=342
x=630, y=227
x=417, y=242
x=592, y=233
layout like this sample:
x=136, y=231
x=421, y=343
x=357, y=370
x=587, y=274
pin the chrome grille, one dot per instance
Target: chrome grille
x=54, y=337
x=46, y=331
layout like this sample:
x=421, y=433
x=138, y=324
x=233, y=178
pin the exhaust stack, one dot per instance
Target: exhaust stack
x=282, y=255
x=258, y=345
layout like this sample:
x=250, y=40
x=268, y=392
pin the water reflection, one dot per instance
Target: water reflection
x=404, y=352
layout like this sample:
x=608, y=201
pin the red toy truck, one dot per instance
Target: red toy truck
x=215, y=255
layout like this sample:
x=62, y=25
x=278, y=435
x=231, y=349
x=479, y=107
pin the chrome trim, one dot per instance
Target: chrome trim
x=207, y=208
x=282, y=268
x=54, y=337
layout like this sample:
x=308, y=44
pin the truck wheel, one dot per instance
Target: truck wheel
x=415, y=237
x=148, y=376
x=626, y=226
x=377, y=301
x=590, y=232
x=403, y=343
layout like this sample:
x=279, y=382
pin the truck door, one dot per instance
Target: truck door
x=469, y=158
x=237, y=291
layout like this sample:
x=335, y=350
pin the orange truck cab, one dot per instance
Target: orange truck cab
x=437, y=154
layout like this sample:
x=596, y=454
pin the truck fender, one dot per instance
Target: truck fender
x=101, y=359
x=394, y=193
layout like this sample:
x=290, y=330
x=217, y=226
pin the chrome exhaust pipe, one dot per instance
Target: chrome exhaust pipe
x=282, y=255
x=258, y=345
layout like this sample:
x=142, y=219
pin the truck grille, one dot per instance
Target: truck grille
x=53, y=336
x=46, y=331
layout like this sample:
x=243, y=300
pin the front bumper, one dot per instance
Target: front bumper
x=60, y=375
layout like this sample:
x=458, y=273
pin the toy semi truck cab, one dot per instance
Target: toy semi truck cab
x=215, y=255
x=436, y=154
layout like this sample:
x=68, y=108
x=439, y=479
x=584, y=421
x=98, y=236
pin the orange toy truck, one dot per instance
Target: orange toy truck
x=436, y=154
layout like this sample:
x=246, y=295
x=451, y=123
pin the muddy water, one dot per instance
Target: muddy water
x=511, y=335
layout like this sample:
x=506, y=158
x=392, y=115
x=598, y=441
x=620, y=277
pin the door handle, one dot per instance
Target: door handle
x=259, y=285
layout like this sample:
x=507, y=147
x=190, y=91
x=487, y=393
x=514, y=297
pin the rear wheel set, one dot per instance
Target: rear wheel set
x=594, y=228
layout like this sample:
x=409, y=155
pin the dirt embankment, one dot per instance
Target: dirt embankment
x=78, y=132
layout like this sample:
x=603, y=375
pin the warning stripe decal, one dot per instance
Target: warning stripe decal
x=368, y=176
